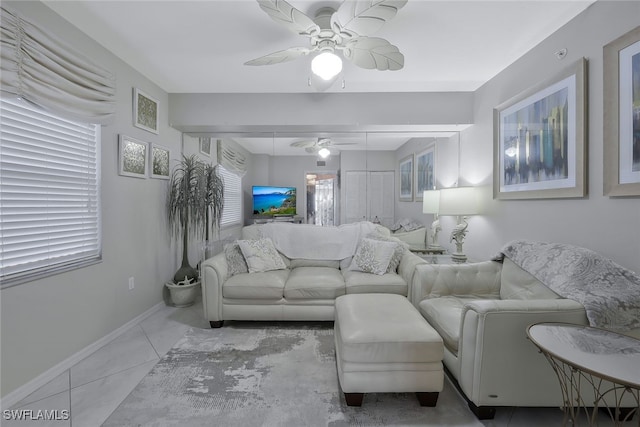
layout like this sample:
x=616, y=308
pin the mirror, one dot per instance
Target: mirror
x=358, y=180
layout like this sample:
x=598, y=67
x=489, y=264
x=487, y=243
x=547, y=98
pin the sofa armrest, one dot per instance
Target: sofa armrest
x=407, y=268
x=481, y=279
x=495, y=356
x=214, y=272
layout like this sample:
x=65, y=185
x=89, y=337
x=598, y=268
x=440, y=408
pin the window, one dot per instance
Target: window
x=49, y=193
x=232, y=212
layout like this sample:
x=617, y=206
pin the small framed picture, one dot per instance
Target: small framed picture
x=406, y=179
x=132, y=157
x=425, y=172
x=160, y=161
x=205, y=146
x=145, y=111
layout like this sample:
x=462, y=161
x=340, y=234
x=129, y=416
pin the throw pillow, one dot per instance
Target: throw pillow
x=235, y=260
x=373, y=256
x=261, y=255
x=398, y=252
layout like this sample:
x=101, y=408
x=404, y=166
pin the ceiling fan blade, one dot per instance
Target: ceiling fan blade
x=292, y=18
x=313, y=149
x=280, y=56
x=360, y=17
x=373, y=53
x=303, y=144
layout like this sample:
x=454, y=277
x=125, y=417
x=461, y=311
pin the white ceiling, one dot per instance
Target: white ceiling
x=201, y=46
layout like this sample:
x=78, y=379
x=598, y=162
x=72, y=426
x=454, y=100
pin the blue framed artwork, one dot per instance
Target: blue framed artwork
x=425, y=172
x=540, y=139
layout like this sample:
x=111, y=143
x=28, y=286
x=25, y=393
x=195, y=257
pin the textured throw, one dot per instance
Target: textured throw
x=609, y=292
x=268, y=374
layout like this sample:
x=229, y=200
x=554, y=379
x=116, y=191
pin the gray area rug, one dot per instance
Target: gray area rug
x=268, y=374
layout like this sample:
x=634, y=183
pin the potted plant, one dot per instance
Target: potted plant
x=194, y=201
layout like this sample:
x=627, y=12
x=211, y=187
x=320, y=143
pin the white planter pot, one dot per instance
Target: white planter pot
x=183, y=295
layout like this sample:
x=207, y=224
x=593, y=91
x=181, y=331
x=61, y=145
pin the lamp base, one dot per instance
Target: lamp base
x=458, y=258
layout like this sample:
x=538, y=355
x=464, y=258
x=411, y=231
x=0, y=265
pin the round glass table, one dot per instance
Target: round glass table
x=585, y=357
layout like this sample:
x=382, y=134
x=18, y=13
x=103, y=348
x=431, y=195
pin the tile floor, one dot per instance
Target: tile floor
x=93, y=388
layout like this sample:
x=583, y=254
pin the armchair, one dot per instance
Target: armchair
x=482, y=310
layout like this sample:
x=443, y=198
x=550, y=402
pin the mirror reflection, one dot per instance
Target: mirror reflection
x=338, y=177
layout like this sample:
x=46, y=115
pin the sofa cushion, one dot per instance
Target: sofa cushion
x=261, y=255
x=358, y=282
x=373, y=256
x=515, y=283
x=265, y=285
x=314, y=283
x=445, y=315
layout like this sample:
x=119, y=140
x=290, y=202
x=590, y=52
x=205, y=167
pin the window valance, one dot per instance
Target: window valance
x=231, y=159
x=49, y=74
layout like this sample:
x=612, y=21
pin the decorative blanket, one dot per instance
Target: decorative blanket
x=306, y=241
x=609, y=292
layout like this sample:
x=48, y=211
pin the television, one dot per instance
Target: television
x=270, y=201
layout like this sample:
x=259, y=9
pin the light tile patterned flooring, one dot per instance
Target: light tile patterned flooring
x=93, y=388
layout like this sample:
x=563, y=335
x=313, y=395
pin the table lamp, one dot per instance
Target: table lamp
x=461, y=202
x=431, y=205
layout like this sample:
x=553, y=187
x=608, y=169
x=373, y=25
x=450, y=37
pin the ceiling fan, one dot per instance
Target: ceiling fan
x=345, y=30
x=320, y=145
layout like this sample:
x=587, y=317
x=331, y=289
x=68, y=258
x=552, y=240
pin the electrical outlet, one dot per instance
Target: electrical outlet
x=132, y=283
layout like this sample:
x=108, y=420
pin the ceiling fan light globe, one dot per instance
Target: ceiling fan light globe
x=324, y=153
x=326, y=65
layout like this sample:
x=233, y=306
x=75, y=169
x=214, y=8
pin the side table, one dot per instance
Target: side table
x=608, y=361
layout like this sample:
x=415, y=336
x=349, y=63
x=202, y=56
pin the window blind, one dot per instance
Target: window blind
x=232, y=212
x=49, y=193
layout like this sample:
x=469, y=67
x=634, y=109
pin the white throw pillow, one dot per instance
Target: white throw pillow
x=373, y=256
x=261, y=255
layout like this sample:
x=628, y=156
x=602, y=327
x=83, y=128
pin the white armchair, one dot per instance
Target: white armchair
x=482, y=310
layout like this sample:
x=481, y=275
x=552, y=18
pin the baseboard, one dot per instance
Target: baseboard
x=25, y=390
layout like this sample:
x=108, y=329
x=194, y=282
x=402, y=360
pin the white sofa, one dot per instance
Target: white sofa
x=307, y=288
x=482, y=311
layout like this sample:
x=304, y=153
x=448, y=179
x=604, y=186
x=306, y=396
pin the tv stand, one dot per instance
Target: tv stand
x=279, y=218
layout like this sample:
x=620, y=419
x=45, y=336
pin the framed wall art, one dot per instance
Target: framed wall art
x=160, y=162
x=406, y=179
x=132, y=157
x=145, y=111
x=622, y=115
x=205, y=146
x=540, y=139
x=425, y=172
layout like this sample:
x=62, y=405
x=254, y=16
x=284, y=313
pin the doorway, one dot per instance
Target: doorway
x=322, y=198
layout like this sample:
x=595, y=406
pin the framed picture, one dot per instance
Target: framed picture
x=406, y=179
x=132, y=157
x=145, y=111
x=205, y=146
x=622, y=115
x=160, y=162
x=540, y=139
x=425, y=171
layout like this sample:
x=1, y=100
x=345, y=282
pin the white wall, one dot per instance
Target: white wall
x=46, y=321
x=607, y=225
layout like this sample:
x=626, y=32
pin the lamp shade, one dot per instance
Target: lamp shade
x=431, y=202
x=460, y=201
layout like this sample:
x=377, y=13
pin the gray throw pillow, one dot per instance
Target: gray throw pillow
x=235, y=260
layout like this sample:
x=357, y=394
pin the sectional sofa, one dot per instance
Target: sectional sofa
x=312, y=266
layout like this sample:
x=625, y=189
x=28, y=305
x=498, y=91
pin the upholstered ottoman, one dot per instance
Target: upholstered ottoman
x=384, y=345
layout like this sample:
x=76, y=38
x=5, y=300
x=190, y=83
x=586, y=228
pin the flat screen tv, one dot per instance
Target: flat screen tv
x=274, y=201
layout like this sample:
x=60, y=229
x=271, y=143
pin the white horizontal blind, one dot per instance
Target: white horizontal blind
x=232, y=212
x=49, y=193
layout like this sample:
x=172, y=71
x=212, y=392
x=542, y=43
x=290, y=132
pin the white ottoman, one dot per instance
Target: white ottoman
x=384, y=345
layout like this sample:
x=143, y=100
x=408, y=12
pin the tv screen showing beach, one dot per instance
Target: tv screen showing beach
x=271, y=201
